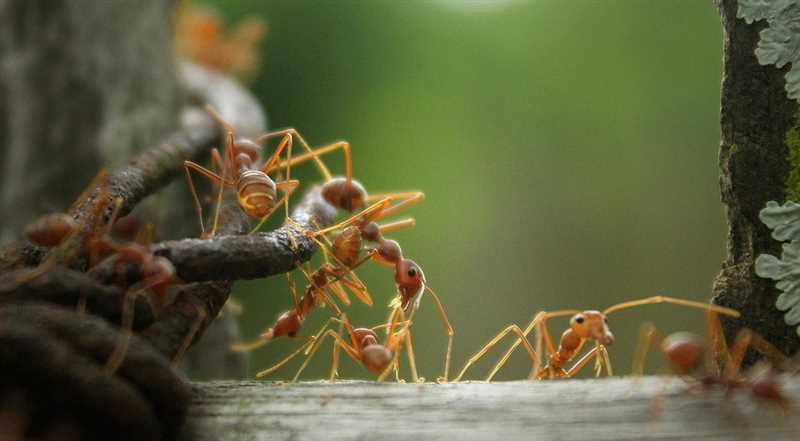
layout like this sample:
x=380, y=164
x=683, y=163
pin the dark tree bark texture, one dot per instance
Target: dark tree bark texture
x=755, y=116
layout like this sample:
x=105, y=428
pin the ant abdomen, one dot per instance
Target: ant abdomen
x=684, y=352
x=256, y=193
x=51, y=230
x=376, y=358
x=341, y=195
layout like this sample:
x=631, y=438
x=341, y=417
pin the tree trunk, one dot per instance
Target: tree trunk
x=85, y=84
x=754, y=166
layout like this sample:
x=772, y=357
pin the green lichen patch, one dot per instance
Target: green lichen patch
x=784, y=221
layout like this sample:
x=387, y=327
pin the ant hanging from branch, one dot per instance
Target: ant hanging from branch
x=583, y=326
x=256, y=192
x=409, y=278
x=684, y=351
x=363, y=348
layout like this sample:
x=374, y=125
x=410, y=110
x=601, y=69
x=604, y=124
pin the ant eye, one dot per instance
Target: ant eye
x=412, y=272
x=579, y=319
x=605, y=319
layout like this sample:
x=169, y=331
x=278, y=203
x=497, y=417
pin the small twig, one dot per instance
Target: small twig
x=253, y=256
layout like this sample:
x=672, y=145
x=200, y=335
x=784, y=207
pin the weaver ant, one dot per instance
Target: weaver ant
x=409, y=279
x=684, y=351
x=256, y=192
x=583, y=326
x=363, y=348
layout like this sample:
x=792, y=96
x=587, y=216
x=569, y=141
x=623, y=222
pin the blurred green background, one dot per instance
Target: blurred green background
x=567, y=150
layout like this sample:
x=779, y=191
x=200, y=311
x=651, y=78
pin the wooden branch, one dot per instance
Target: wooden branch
x=607, y=409
x=250, y=256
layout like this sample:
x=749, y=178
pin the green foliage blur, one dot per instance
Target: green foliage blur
x=567, y=150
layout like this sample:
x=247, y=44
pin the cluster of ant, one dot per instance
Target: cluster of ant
x=257, y=195
x=348, y=244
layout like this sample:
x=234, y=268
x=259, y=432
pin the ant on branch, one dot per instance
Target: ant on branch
x=583, y=326
x=409, y=279
x=256, y=192
x=363, y=348
x=684, y=351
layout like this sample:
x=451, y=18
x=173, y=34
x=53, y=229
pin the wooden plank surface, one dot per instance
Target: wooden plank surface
x=575, y=410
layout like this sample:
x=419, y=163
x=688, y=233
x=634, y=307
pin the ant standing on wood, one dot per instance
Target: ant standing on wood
x=583, y=326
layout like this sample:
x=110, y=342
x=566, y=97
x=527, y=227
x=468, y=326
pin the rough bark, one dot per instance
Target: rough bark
x=84, y=85
x=651, y=408
x=755, y=116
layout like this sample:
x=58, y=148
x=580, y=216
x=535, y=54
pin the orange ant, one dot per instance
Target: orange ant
x=684, y=352
x=409, y=279
x=256, y=192
x=583, y=326
x=363, y=348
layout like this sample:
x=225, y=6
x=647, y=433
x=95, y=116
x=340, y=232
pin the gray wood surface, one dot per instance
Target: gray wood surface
x=575, y=410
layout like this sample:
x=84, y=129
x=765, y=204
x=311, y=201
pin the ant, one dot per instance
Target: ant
x=684, y=351
x=583, y=326
x=409, y=279
x=256, y=192
x=378, y=359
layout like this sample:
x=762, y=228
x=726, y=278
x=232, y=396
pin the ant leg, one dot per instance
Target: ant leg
x=126, y=326
x=674, y=301
x=315, y=154
x=337, y=339
x=292, y=290
x=582, y=362
x=718, y=355
x=391, y=227
x=448, y=329
x=406, y=200
x=528, y=329
x=288, y=187
x=368, y=214
x=187, y=341
x=412, y=360
x=647, y=334
x=188, y=166
x=488, y=346
x=335, y=357
x=280, y=364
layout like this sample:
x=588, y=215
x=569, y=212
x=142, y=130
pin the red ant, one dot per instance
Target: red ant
x=583, y=326
x=256, y=192
x=363, y=348
x=409, y=278
x=684, y=351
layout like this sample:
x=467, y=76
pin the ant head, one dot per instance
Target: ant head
x=347, y=197
x=376, y=358
x=684, y=351
x=51, y=229
x=287, y=325
x=389, y=251
x=247, y=147
x=410, y=281
x=592, y=325
x=127, y=227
